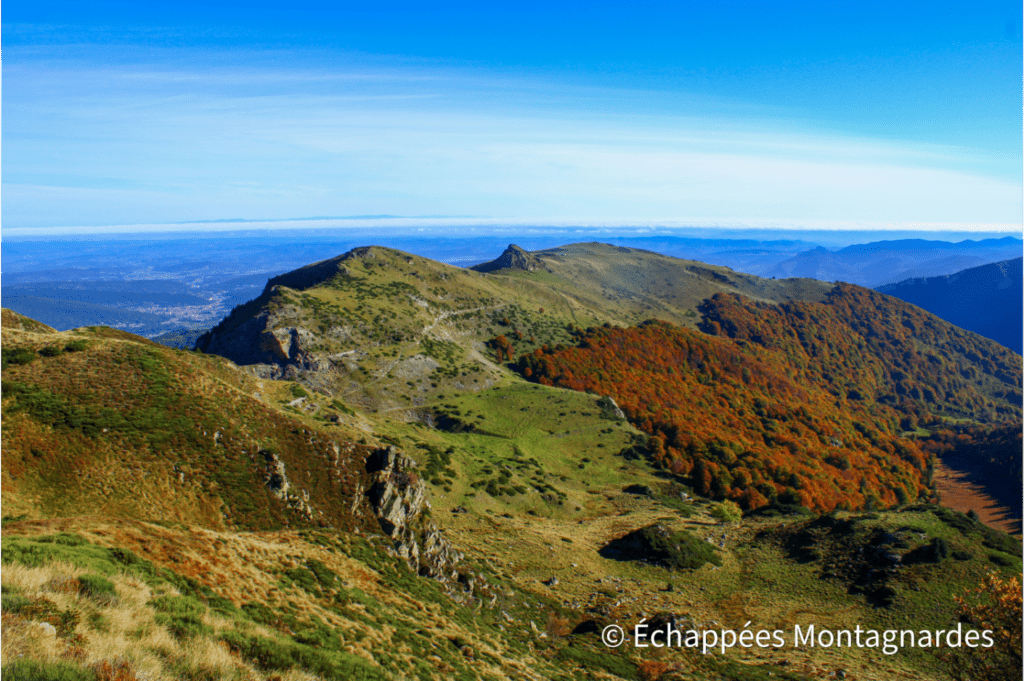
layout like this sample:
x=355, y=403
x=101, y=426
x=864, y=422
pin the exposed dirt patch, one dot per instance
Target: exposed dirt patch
x=959, y=494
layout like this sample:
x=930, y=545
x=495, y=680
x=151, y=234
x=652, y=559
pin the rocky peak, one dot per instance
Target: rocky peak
x=514, y=258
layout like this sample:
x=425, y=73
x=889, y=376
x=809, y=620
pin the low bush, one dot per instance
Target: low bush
x=31, y=670
x=17, y=356
x=274, y=654
x=595, y=660
x=96, y=587
x=679, y=550
x=1000, y=559
x=304, y=579
x=776, y=510
x=182, y=615
x=12, y=603
x=727, y=511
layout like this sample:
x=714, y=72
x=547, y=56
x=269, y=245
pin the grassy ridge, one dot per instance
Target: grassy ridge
x=360, y=324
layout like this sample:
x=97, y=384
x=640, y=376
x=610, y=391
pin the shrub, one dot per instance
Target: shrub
x=1000, y=559
x=775, y=510
x=182, y=615
x=304, y=579
x=260, y=613
x=120, y=670
x=11, y=603
x=652, y=670
x=64, y=539
x=50, y=351
x=17, y=356
x=30, y=670
x=96, y=587
x=996, y=605
x=558, y=626
x=680, y=550
x=273, y=654
x=726, y=511
x=936, y=551
x=76, y=346
x=35, y=552
x=590, y=660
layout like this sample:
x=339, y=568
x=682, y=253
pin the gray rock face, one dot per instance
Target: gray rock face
x=257, y=342
x=276, y=480
x=270, y=342
x=398, y=499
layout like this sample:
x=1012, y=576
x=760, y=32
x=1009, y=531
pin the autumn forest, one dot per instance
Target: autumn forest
x=816, y=404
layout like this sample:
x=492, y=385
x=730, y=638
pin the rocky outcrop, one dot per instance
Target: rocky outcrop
x=277, y=353
x=255, y=335
x=275, y=479
x=514, y=258
x=398, y=499
x=610, y=408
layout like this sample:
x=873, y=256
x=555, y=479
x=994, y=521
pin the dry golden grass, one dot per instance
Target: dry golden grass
x=24, y=638
x=121, y=630
x=244, y=568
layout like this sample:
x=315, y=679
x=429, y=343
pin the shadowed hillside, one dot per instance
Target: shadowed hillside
x=986, y=300
x=990, y=456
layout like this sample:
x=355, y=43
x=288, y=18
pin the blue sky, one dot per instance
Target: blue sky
x=785, y=114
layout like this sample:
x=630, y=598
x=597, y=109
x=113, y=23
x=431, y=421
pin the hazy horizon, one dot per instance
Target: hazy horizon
x=787, y=116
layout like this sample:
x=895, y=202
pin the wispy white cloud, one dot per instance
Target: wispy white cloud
x=126, y=144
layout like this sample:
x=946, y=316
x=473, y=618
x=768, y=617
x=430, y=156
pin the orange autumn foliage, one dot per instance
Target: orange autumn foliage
x=995, y=605
x=801, y=402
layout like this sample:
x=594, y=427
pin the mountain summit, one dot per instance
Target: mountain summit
x=514, y=258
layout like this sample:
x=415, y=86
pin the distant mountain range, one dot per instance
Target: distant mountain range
x=886, y=262
x=986, y=299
